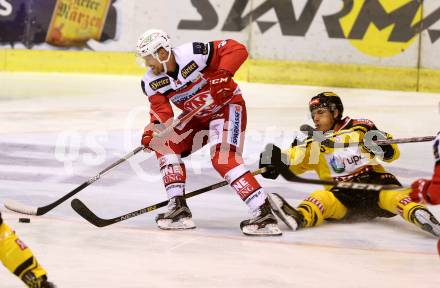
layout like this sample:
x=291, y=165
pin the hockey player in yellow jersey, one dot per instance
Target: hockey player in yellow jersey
x=328, y=154
x=18, y=259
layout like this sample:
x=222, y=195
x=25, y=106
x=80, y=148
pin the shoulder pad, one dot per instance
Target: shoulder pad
x=364, y=122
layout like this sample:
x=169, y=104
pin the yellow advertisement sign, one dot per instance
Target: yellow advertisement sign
x=74, y=22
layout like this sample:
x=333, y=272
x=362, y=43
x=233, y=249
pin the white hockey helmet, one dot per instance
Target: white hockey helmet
x=151, y=40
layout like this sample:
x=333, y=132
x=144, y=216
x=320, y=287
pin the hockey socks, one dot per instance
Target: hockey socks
x=173, y=175
x=178, y=215
x=264, y=222
x=246, y=186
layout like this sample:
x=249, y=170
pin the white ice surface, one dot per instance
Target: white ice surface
x=101, y=118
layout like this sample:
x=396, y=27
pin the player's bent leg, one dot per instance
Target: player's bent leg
x=226, y=136
x=178, y=215
x=244, y=183
x=320, y=205
x=18, y=259
x=399, y=202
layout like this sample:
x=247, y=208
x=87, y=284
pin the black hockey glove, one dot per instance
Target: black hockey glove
x=267, y=160
x=383, y=151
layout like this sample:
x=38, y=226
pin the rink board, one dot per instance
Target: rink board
x=254, y=70
x=340, y=43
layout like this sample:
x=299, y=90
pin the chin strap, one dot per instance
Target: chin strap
x=163, y=62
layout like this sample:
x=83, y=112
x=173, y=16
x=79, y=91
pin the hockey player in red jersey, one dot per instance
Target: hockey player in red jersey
x=18, y=259
x=425, y=190
x=187, y=76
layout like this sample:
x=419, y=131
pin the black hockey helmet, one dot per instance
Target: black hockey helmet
x=327, y=100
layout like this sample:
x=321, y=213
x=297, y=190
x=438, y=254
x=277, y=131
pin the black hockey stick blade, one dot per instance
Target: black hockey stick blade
x=91, y=217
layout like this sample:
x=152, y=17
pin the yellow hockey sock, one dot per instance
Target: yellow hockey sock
x=16, y=256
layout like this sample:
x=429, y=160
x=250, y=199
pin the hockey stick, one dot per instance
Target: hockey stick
x=405, y=140
x=279, y=159
x=38, y=211
x=91, y=217
x=320, y=137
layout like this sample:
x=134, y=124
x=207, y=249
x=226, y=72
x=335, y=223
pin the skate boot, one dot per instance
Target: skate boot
x=264, y=223
x=289, y=215
x=425, y=220
x=178, y=216
x=33, y=282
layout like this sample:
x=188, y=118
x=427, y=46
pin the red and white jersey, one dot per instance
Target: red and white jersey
x=196, y=61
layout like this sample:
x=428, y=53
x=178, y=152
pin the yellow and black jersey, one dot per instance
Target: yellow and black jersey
x=342, y=156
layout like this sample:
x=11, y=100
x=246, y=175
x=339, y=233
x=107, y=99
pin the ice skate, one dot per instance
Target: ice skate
x=178, y=216
x=289, y=215
x=425, y=220
x=263, y=224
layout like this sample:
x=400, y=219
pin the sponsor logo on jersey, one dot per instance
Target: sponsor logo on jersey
x=189, y=69
x=196, y=101
x=346, y=160
x=337, y=166
x=200, y=48
x=159, y=83
x=180, y=97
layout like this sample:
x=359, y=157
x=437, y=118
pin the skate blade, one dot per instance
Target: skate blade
x=276, y=203
x=181, y=224
x=425, y=222
x=268, y=230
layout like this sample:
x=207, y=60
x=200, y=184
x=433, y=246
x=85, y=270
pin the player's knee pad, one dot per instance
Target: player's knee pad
x=321, y=205
x=173, y=173
x=224, y=158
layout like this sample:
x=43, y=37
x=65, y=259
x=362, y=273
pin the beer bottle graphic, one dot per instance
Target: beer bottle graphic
x=74, y=22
